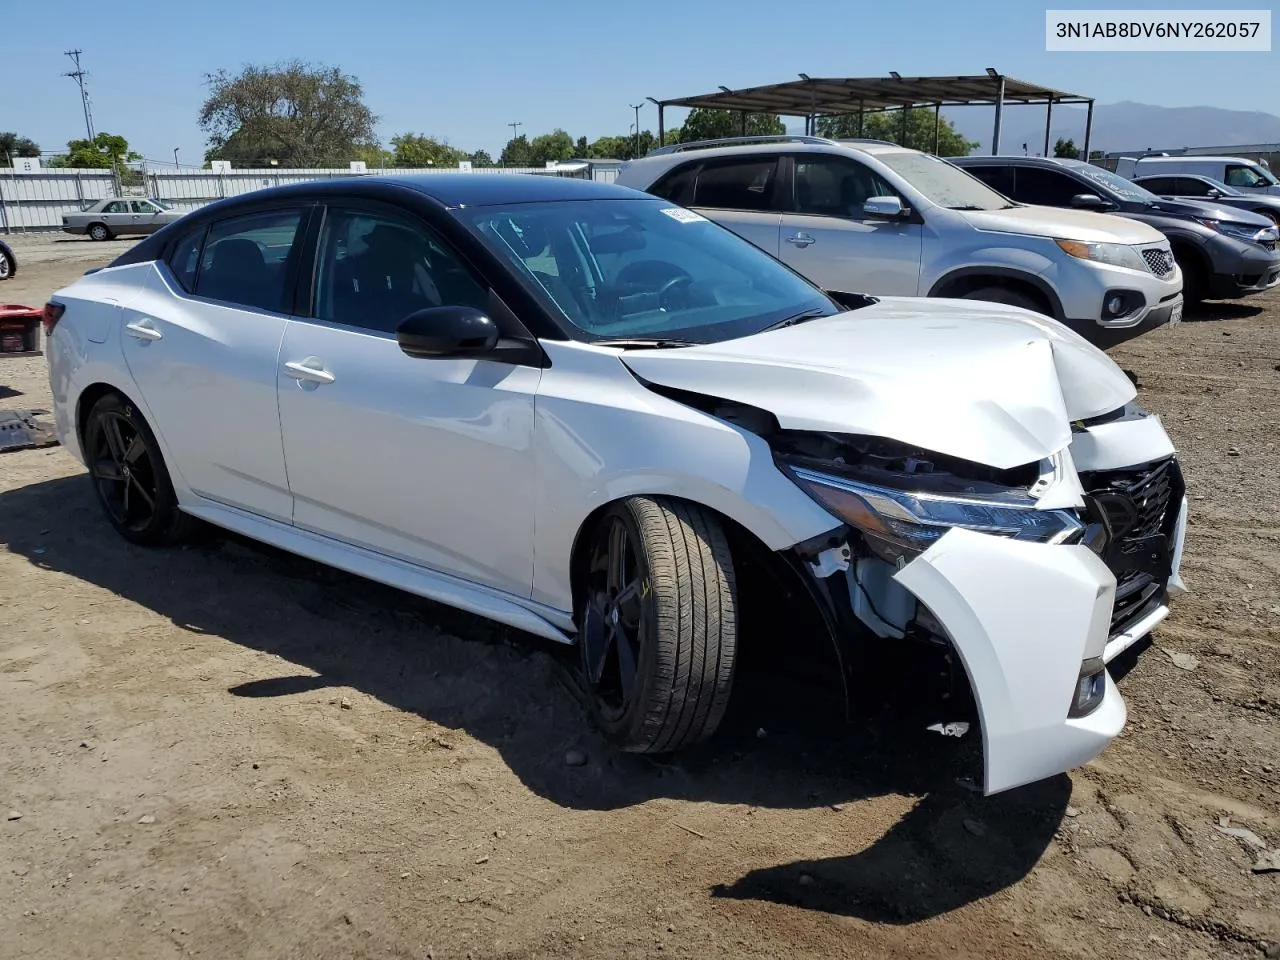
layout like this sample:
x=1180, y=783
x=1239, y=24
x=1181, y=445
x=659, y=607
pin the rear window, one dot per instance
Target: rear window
x=184, y=258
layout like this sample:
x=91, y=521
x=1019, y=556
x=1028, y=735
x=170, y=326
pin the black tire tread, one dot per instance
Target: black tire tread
x=691, y=575
x=1013, y=298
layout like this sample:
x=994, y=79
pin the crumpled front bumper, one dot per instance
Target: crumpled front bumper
x=1023, y=617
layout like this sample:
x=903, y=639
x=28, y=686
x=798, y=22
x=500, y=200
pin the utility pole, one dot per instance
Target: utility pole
x=78, y=76
x=636, y=107
x=175, y=156
x=514, y=127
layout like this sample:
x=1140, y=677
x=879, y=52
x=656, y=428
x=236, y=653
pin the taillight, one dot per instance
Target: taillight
x=53, y=312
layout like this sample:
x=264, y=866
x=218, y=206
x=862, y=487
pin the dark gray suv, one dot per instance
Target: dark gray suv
x=1223, y=252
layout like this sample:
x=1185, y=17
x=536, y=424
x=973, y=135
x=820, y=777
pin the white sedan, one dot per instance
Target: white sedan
x=591, y=415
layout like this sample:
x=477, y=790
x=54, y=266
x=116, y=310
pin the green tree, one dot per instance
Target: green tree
x=888, y=126
x=581, y=148
x=296, y=113
x=622, y=147
x=1066, y=149
x=704, y=124
x=1095, y=154
x=517, y=153
x=12, y=145
x=556, y=145
x=418, y=150
x=373, y=154
x=481, y=158
x=101, y=153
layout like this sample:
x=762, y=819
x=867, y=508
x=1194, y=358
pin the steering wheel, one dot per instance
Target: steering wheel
x=666, y=297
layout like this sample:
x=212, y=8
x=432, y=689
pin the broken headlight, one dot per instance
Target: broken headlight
x=900, y=524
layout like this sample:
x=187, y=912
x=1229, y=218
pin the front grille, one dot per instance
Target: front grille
x=1139, y=505
x=1268, y=244
x=1159, y=261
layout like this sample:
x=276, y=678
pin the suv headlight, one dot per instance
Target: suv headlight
x=1112, y=254
x=1241, y=231
x=901, y=524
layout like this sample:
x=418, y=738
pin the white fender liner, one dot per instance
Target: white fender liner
x=1023, y=617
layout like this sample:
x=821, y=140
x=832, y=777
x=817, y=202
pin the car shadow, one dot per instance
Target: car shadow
x=1210, y=311
x=7, y=393
x=781, y=746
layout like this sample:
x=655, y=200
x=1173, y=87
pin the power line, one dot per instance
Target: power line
x=78, y=76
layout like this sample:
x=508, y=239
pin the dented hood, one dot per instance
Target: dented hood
x=984, y=382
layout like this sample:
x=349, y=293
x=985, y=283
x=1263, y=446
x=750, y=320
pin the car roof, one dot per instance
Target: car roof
x=1010, y=158
x=455, y=190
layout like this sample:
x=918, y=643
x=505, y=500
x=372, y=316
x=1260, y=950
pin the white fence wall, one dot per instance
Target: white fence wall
x=38, y=200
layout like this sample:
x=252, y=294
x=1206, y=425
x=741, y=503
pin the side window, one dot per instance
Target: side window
x=1163, y=185
x=375, y=269
x=116, y=206
x=184, y=258
x=677, y=185
x=141, y=206
x=1238, y=175
x=999, y=179
x=1190, y=187
x=1045, y=188
x=245, y=260
x=832, y=186
x=736, y=185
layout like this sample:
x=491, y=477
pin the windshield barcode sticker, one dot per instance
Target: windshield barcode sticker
x=684, y=216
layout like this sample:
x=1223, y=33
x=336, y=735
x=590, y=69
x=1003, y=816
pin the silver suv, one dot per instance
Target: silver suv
x=872, y=217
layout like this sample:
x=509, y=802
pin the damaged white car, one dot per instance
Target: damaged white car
x=584, y=412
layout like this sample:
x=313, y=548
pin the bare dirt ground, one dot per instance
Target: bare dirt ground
x=223, y=751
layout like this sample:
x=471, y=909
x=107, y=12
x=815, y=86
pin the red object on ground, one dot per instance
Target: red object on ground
x=19, y=328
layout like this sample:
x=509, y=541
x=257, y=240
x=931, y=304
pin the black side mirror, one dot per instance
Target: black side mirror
x=1091, y=201
x=447, y=332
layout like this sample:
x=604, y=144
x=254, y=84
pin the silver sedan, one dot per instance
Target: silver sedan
x=117, y=217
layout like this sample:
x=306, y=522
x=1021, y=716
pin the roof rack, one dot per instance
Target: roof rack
x=887, y=143
x=734, y=141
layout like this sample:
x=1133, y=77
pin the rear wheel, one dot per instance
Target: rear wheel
x=99, y=231
x=1014, y=298
x=129, y=475
x=7, y=265
x=658, y=632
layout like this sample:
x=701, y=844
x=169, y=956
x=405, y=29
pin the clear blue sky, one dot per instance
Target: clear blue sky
x=463, y=70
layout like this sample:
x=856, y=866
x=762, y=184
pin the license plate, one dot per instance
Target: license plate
x=1176, y=315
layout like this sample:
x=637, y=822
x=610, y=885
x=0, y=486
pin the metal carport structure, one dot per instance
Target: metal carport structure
x=814, y=97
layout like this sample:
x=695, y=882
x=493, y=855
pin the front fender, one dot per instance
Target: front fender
x=1022, y=618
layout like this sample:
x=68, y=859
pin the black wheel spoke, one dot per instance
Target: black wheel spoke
x=597, y=638
x=142, y=491
x=136, y=450
x=115, y=442
x=617, y=559
x=626, y=651
x=105, y=468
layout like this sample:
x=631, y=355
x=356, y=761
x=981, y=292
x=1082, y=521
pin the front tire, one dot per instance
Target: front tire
x=1014, y=298
x=129, y=475
x=658, y=631
x=8, y=265
x=99, y=231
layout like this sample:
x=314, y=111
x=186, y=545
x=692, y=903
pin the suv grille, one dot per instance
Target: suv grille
x=1140, y=507
x=1268, y=244
x=1159, y=261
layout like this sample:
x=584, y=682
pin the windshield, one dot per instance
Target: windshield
x=1117, y=184
x=639, y=269
x=943, y=183
x=162, y=204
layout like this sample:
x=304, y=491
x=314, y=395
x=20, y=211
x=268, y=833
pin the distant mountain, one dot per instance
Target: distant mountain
x=1118, y=126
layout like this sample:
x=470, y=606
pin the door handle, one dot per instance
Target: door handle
x=310, y=370
x=801, y=240
x=142, y=329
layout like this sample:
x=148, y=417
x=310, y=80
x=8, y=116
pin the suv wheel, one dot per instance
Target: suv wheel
x=1014, y=298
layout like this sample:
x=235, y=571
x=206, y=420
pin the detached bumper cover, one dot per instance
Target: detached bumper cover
x=1023, y=617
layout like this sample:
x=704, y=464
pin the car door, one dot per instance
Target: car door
x=202, y=343
x=116, y=216
x=425, y=460
x=1246, y=177
x=146, y=217
x=828, y=237
x=738, y=192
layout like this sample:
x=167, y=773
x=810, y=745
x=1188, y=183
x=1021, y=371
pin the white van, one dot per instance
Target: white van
x=1247, y=175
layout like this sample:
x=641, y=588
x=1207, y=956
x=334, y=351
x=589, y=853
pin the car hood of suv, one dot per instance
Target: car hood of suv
x=984, y=382
x=1209, y=210
x=1061, y=224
